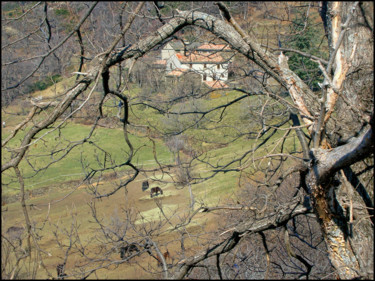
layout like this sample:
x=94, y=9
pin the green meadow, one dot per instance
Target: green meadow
x=104, y=143
x=219, y=143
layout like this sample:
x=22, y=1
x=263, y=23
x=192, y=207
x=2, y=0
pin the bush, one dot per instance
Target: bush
x=45, y=83
x=61, y=12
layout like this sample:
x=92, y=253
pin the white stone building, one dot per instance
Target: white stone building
x=209, y=60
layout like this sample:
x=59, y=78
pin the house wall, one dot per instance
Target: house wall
x=211, y=71
x=167, y=52
x=173, y=63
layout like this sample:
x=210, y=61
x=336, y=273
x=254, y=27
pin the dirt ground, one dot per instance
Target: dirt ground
x=59, y=213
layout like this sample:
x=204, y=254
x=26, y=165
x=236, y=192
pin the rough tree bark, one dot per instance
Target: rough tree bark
x=349, y=230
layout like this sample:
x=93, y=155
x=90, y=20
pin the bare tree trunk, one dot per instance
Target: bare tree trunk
x=348, y=248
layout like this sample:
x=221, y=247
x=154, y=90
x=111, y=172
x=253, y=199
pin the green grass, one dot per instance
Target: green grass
x=109, y=147
x=223, y=184
x=105, y=145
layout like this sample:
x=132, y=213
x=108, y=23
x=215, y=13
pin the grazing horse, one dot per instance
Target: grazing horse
x=165, y=255
x=60, y=270
x=147, y=246
x=145, y=185
x=127, y=250
x=156, y=190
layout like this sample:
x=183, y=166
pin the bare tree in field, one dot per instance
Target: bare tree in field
x=305, y=212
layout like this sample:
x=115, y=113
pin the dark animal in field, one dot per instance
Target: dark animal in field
x=60, y=270
x=156, y=190
x=127, y=250
x=145, y=185
x=15, y=233
x=147, y=245
x=165, y=255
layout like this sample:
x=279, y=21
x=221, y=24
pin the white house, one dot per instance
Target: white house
x=209, y=60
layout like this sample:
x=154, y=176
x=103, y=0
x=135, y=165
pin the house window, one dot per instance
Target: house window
x=205, y=66
x=170, y=66
x=218, y=66
x=204, y=77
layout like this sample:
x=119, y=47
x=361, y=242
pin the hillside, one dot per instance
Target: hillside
x=195, y=131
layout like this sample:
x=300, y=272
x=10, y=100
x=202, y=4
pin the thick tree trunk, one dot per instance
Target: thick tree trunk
x=344, y=206
x=336, y=219
x=334, y=227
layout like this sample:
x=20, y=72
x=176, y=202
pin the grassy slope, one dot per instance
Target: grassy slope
x=69, y=168
x=112, y=141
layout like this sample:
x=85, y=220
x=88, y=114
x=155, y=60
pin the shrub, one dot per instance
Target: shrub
x=61, y=12
x=45, y=83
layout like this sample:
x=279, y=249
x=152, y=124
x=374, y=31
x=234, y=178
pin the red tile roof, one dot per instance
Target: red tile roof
x=162, y=62
x=177, y=72
x=216, y=84
x=200, y=58
x=214, y=47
